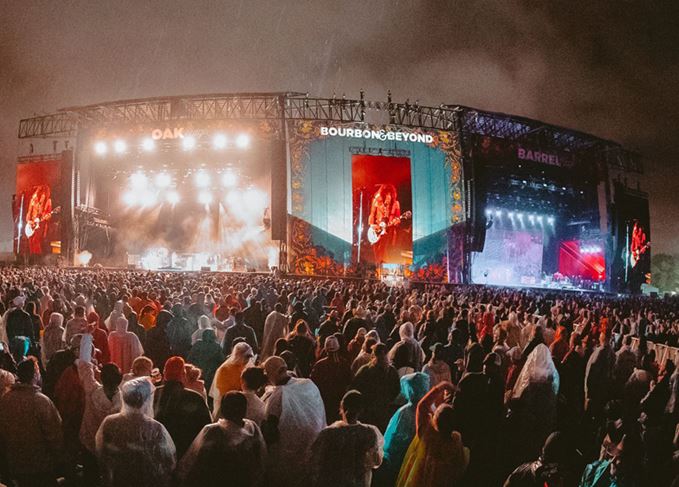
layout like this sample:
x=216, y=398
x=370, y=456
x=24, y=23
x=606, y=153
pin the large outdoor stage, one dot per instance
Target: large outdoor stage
x=330, y=187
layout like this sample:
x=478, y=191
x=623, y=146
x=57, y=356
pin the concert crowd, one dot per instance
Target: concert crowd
x=129, y=378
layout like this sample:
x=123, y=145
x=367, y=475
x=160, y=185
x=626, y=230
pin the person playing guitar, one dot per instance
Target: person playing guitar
x=38, y=213
x=638, y=245
x=385, y=213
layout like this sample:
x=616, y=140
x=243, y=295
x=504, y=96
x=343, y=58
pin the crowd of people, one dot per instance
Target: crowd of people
x=128, y=378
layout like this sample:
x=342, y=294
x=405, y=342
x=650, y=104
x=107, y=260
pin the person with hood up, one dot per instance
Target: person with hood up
x=295, y=414
x=100, y=337
x=53, y=337
x=204, y=323
x=179, y=332
x=551, y=467
x=232, y=448
x=112, y=319
x=401, y=428
x=413, y=350
x=157, y=346
x=275, y=327
x=437, y=369
x=133, y=449
x=183, y=412
x=332, y=376
x=207, y=355
x=227, y=377
x=124, y=345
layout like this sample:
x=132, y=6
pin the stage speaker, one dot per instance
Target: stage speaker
x=279, y=184
x=205, y=269
x=478, y=223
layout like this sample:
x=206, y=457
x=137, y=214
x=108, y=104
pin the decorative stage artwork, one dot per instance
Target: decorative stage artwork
x=328, y=168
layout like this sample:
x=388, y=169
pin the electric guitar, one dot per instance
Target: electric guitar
x=376, y=232
x=33, y=225
x=635, y=255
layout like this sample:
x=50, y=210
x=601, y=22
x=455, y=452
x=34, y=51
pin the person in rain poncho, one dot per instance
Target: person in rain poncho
x=207, y=355
x=133, y=449
x=414, y=353
x=436, y=455
x=183, y=412
x=295, y=415
x=124, y=345
x=227, y=377
x=112, y=319
x=275, y=327
x=401, y=428
x=332, y=376
x=533, y=402
x=204, y=323
x=346, y=452
x=53, y=337
x=230, y=452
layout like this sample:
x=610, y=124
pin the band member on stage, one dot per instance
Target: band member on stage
x=638, y=244
x=37, y=215
x=385, y=211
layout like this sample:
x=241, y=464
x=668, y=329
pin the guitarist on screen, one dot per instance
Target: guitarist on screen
x=37, y=218
x=384, y=219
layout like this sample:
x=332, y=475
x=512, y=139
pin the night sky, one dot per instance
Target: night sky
x=609, y=68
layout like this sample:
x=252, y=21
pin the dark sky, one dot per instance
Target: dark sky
x=610, y=68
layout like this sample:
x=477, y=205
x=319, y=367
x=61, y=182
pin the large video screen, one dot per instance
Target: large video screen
x=366, y=196
x=511, y=257
x=37, y=208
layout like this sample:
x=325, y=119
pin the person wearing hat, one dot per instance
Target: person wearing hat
x=295, y=414
x=332, y=375
x=437, y=369
x=183, y=412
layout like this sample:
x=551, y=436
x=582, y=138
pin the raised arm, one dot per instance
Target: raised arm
x=428, y=403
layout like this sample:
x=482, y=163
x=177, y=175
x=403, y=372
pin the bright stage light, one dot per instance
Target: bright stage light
x=205, y=198
x=188, y=142
x=498, y=213
x=219, y=141
x=100, y=148
x=539, y=219
x=138, y=180
x=202, y=179
x=83, y=258
x=519, y=216
x=129, y=198
x=148, y=198
x=531, y=219
x=148, y=144
x=231, y=198
x=163, y=180
x=242, y=141
x=172, y=197
x=254, y=199
x=510, y=214
x=550, y=220
x=119, y=146
x=489, y=212
x=229, y=179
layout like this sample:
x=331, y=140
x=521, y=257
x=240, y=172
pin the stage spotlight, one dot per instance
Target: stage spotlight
x=510, y=214
x=519, y=216
x=489, y=212
x=550, y=220
x=138, y=180
x=219, y=141
x=539, y=219
x=163, y=180
x=229, y=179
x=202, y=179
x=130, y=198
x=205, y=198
x=148, y=144
x=188, y=142
x=231, y=198
x=172, y=197
x=119, y=146
x=242, y=141
x=148, y=198
x=498, y=213
x=531, y=219
x=100, y=148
